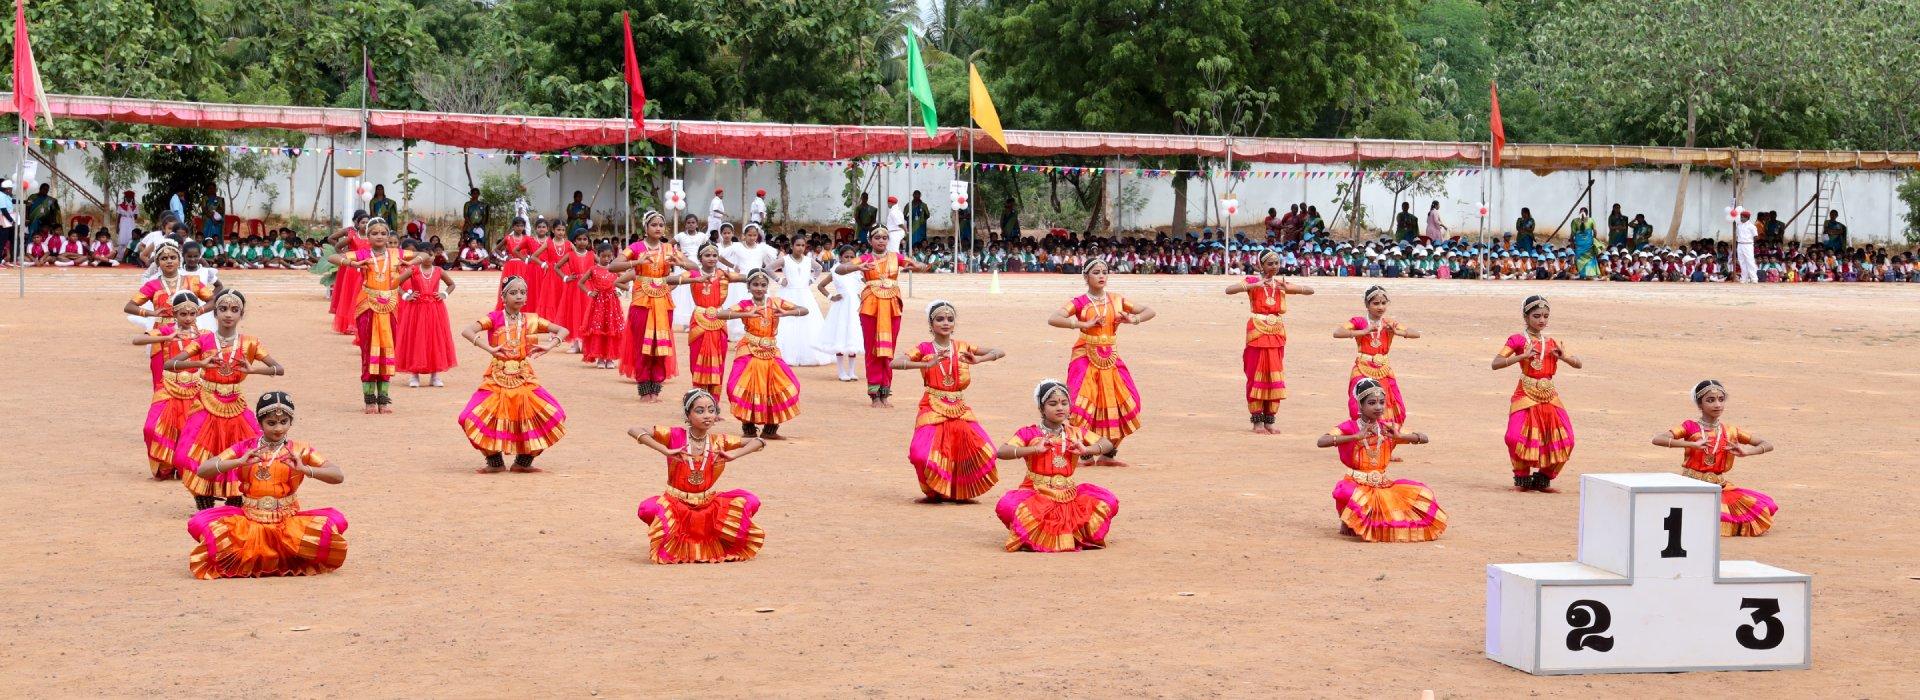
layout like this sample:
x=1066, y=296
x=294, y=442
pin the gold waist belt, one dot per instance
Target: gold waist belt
x=268, y=509
x=1058, y=487
x=180, y=385
x=509, y=374
x=691, y=498
x=1377, y=479
x=1708, y=477
x=1538, y=389
x=1100, y=340
x=953, y=396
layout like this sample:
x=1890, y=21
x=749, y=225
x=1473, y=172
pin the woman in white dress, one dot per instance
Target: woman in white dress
x=689, y=239
x=799, y=336
x=840, y=335
x=744, y=256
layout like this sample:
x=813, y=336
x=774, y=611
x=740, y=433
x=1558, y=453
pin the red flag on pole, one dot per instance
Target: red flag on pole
x=28, y=96
x=636, y=89
x=373, y=88
x=1494, y=125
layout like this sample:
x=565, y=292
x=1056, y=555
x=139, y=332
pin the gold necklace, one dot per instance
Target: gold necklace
x=264, y=471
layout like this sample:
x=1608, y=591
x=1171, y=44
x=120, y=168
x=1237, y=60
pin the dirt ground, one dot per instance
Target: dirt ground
x=1225, y=575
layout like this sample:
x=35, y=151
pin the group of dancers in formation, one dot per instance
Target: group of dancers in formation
x=244, y=472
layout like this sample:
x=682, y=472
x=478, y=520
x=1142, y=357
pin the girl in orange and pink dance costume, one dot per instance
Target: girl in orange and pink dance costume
x=1105, y=399
x=1374, y=334
x=1711, y=445
x=1539, y=433
x=383, y=269
x=179, y=392
x=950, y=452
x=880, y=310
x=222, y=418
x=706, y=330
x=1051, y=512
x=646, y=353
x=1264, y=359
x=511, y=413
x=762, y=388
x=1371, y=505
x=268, y=534
x=694, y=521
x=158, y=293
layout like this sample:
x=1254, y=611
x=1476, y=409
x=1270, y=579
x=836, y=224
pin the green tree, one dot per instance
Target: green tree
x=1128, y=65
x=1684, y=72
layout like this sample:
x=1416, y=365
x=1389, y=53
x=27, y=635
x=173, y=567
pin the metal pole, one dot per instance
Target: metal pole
x=18, y=212
x=626, y=173
x=908, y=205
x=1229, y=185
x=364, y=86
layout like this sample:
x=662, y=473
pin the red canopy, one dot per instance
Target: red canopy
x=747, y=141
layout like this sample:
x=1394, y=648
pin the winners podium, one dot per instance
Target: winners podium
x=1649, y=593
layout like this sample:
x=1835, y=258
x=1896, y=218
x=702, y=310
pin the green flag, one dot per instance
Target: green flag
x=917, y=84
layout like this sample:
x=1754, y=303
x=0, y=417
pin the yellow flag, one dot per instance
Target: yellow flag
x=982, y=106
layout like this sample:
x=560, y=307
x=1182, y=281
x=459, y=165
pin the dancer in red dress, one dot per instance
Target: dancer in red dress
x=600, y=333
x=345, y=301
x=542, y=255
x=576, y=259
x=513, y=254
x=423, y=338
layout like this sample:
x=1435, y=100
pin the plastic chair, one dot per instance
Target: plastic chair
x=79, y=219
x=256, y=227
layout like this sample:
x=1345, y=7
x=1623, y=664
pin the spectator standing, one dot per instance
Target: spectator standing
x=1436, y=230
x=1743, y=238
x=129, y=213
x=1836, y=232
x=474, y=215
x=1406, y=226
x=1616, y=228
x=1523, y=230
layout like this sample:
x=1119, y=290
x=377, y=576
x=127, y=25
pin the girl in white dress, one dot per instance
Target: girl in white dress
x=840, y=334
x=744, y=256
x=689, y=240
x=799, y=336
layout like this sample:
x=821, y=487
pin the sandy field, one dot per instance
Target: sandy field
x=1225, y=575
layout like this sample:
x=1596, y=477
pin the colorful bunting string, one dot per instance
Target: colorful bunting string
x=881, y=163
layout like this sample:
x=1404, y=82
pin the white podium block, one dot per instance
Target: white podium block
x=1649, y=592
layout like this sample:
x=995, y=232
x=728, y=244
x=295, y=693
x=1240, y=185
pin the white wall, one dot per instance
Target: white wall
x=1866, y=198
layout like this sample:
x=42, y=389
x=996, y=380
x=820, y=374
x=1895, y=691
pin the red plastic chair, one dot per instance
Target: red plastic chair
x=79, y=219
x=843, y=234
x=229, y=226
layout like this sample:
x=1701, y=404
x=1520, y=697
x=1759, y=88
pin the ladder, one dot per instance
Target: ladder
x=1823, y=200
